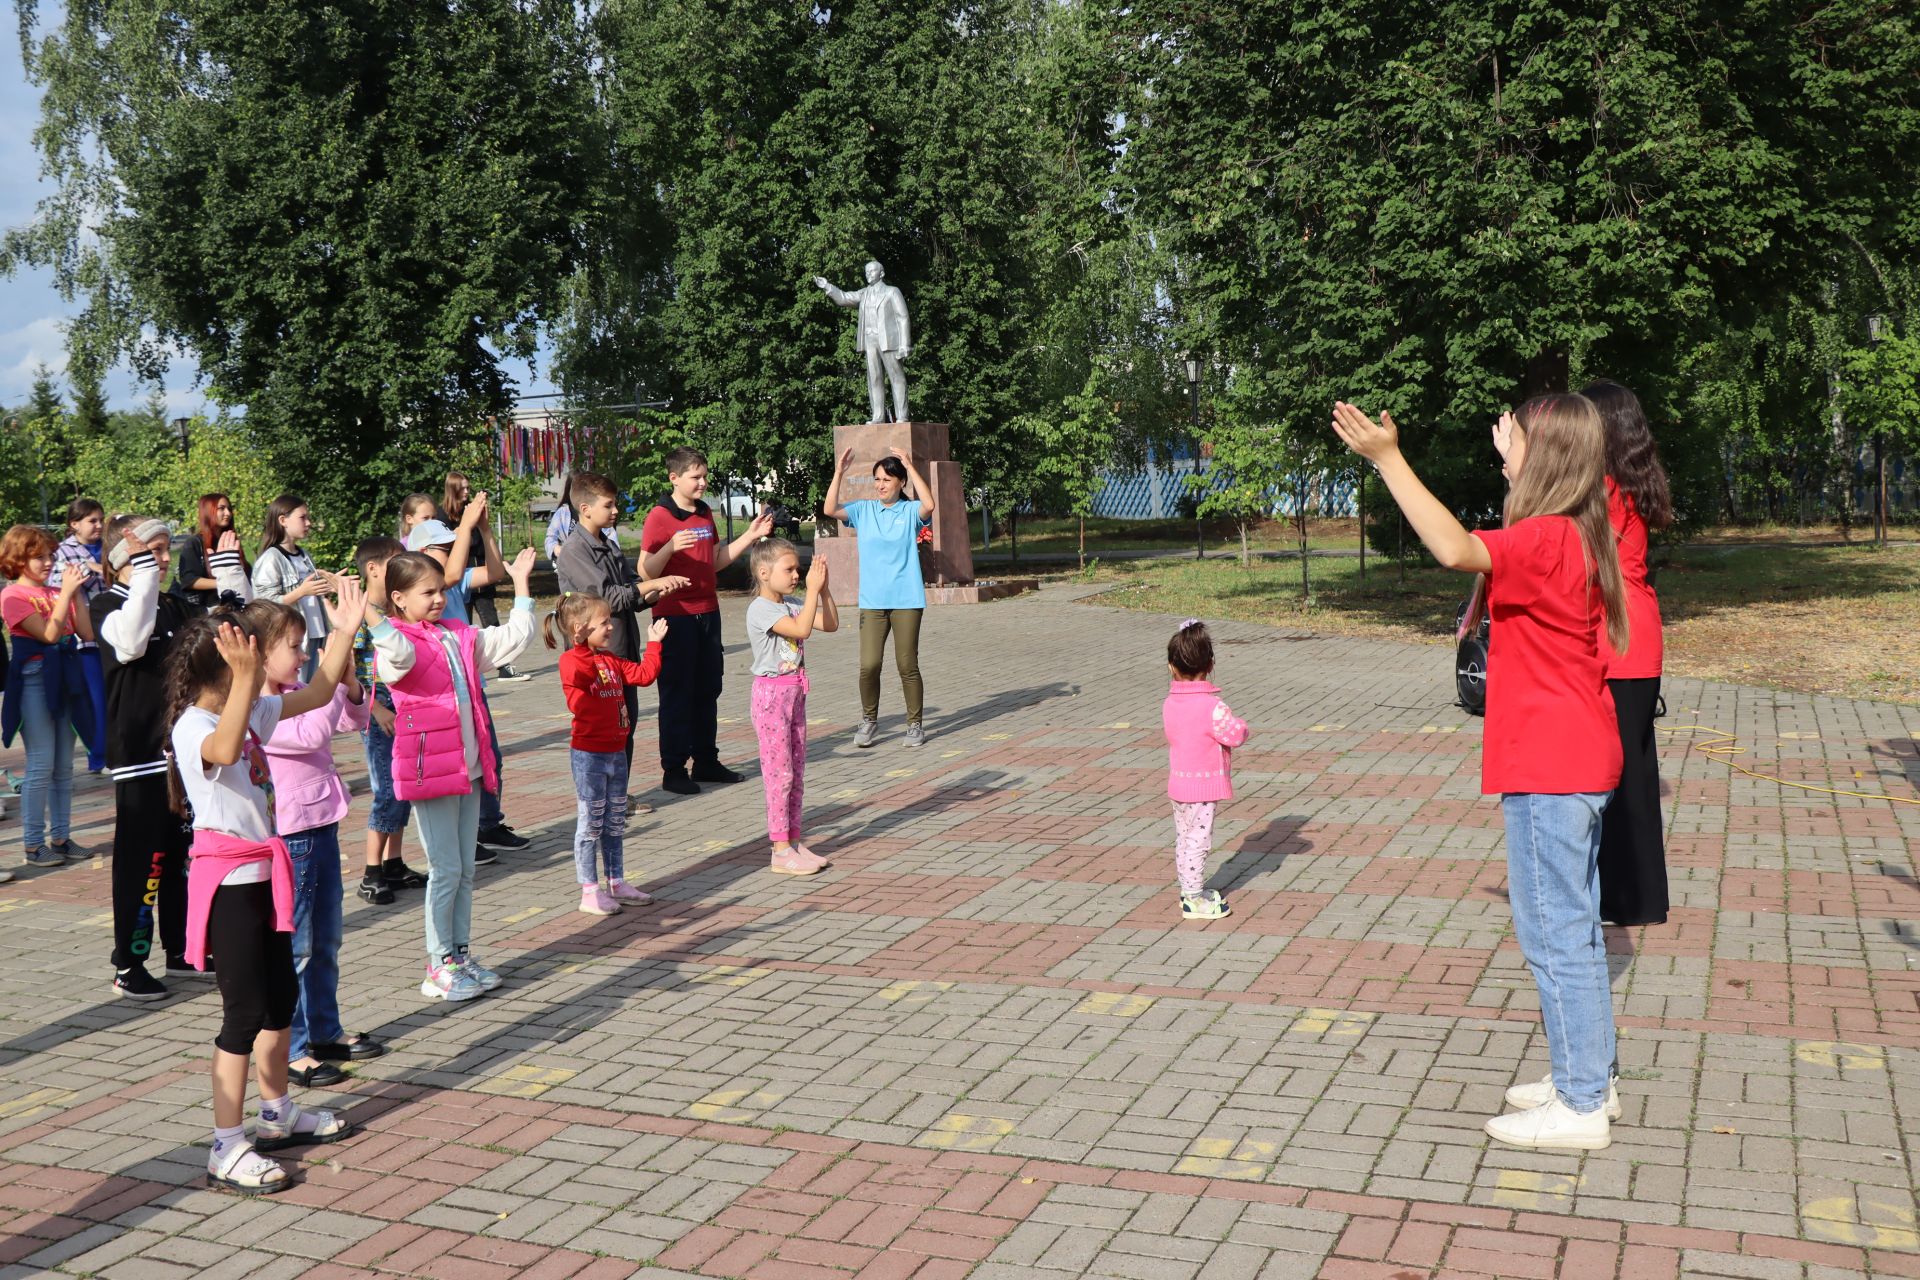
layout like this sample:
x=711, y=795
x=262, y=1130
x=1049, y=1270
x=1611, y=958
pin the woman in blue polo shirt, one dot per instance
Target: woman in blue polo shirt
x=892, y=594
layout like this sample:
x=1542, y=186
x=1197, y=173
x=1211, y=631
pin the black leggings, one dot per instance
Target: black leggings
x=1633, y=850
x=253, y=963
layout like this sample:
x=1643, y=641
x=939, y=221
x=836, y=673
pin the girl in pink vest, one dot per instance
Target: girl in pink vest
x=1201, y=735
x=443, y=745
x=240, y=877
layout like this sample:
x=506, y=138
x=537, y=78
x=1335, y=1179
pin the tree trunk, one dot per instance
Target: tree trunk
x=1360, y=501
x=1013, y=534
x=1300, y=526
x=1246, y=555
x=1083, y=544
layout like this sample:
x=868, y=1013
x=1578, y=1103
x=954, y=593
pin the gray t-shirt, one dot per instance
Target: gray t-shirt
x=773, y=654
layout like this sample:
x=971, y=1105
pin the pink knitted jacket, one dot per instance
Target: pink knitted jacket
x=1201, y=735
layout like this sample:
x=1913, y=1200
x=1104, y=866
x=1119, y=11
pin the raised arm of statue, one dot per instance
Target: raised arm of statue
x=838, y=297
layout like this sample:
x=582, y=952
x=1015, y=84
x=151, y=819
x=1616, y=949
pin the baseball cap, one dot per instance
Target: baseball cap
x=429, y=533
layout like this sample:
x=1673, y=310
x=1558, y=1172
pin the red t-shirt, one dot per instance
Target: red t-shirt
x=22, y=600
x=593, y=683
x=1551, y=727
x=1642, y=659
x=695, y=564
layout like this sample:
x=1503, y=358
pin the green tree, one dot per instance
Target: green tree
x=1077, y=444
x=348, y=213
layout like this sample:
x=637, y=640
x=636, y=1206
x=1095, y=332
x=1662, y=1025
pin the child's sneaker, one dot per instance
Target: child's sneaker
x=621, y=891
x=791, y=862
x=595, y=902
x=1206, y=905
x=451, y=982
x=487, y=978
x=807, y=853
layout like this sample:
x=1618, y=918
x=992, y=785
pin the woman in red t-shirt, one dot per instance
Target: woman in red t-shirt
x=1551, y=748
x=1633, y=853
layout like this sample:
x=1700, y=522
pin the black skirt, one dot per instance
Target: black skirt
x=1633, y=848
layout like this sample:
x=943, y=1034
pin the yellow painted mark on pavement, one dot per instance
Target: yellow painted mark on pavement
x=913, y=992
x=14, y=904
x=948, y=755
x=728, y=975
x=732, y=1106
x=1525, y=1189
x=901, y=773
x=1118, y=724
x=846, y=793
x=1220, y=1158
x=1439, y=728
x=729, y=719
x=525, y=1081
x=104, y=918
x=1836, y=1053
x=1331, y=1023
x=708, y=846
x=962, y=1132
x=1113, y=1004
x=1324, y=728
x=36, y=1102
x=1802, y=737
x=1882, y=1219
x=518, y=916
x=1002, y=737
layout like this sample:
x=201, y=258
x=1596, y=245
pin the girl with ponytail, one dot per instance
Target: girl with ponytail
x=1552, y=749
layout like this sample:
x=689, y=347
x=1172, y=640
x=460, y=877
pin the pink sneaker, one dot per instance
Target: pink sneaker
x=791, y=862
x=621, y=891
x=595, y=902
x=805, y=852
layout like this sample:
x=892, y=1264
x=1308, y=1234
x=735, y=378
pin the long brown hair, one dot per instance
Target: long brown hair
x=275, y=532
x=405, y=572
x=210, y=531
x=1565, y=474
x=194, y=664
x=449, y=504
x=1633, y=460
x=411, y=503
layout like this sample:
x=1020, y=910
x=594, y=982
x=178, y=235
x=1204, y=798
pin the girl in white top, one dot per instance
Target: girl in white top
x=287, y=574
x=234, y=911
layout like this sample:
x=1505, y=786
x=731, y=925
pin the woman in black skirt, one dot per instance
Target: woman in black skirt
x=1633, y=852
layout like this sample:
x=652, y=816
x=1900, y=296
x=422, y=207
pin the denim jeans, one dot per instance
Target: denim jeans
x=46, y=797
x=312, y=664
x=317, y=932
x=1553, y=882
x=448, y=826
x=388, y=814
x=600, y=781
x=490, y=813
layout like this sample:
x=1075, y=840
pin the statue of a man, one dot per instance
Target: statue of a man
x=884, y=336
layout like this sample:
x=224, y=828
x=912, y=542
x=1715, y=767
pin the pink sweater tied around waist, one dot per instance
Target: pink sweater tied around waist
x=215, y=854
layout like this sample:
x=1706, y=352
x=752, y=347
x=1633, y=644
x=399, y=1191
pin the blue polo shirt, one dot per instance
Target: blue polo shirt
x=455, y=609
x=889, y=556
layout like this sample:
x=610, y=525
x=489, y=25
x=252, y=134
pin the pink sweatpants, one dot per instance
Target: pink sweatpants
x=1192, y=842
x=780, y=722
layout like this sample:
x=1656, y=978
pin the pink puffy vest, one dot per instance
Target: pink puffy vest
x=428, y=760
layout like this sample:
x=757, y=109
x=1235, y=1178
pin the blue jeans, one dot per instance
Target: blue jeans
x=448, y=825
x=312, y=664
x=317, y=932
x=388, y=813
x=490, y=814
x=1553, y=882
x=600, y=781
x=46, y=797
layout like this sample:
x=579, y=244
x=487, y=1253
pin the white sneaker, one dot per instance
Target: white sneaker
x=1553, y=1126
x=487, y=978
x=452, y=983
x=867, y=734
x=1540, y=1092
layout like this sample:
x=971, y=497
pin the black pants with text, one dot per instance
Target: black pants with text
x=692, y=666
x=149, y=872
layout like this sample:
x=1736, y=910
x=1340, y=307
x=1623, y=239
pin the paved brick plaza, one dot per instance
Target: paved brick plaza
x=983, y=1044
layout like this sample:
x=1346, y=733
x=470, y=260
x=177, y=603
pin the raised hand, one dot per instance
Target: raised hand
x=846, y=460
x=1503, y=429
x=135, y=547
x=520, y=569
x=239, y=651
x=901, y=454
x=761, y=526
x=817, y=574
x=1371, y=440
x=657, y=632
x=348, y=605
x=474, y=512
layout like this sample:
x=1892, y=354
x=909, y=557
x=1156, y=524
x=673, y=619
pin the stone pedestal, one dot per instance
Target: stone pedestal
x=949, y=560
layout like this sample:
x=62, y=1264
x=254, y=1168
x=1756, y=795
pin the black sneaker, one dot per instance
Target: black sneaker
x=375, y=890
x=179, y=965
x=398, y=875
x=503, y=836
x=680, y=784
x=716, y=772
x=137, y=984
x=484, y=857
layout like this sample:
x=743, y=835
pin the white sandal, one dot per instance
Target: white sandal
x=248, y=1172
x=301, y=1127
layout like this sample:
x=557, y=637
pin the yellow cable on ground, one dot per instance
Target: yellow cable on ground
x=1721, y=748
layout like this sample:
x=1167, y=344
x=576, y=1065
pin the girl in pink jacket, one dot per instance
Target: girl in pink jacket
x=1201, y=735
x=309, y=802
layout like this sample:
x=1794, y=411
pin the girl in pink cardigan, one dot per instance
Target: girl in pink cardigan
x=309, y=802
x=1201, y=735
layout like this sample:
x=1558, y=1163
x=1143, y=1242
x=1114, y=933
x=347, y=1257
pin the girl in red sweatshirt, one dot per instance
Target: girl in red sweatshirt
x=595, y=682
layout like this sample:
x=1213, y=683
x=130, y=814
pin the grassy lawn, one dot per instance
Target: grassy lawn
x=1819, y=619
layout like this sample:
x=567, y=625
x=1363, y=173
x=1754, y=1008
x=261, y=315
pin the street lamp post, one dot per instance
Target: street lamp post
x=1193, y=363
x=1874, y=326
x=181, y=425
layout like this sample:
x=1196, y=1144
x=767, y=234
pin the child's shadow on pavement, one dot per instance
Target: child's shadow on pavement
x=1262, y=851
